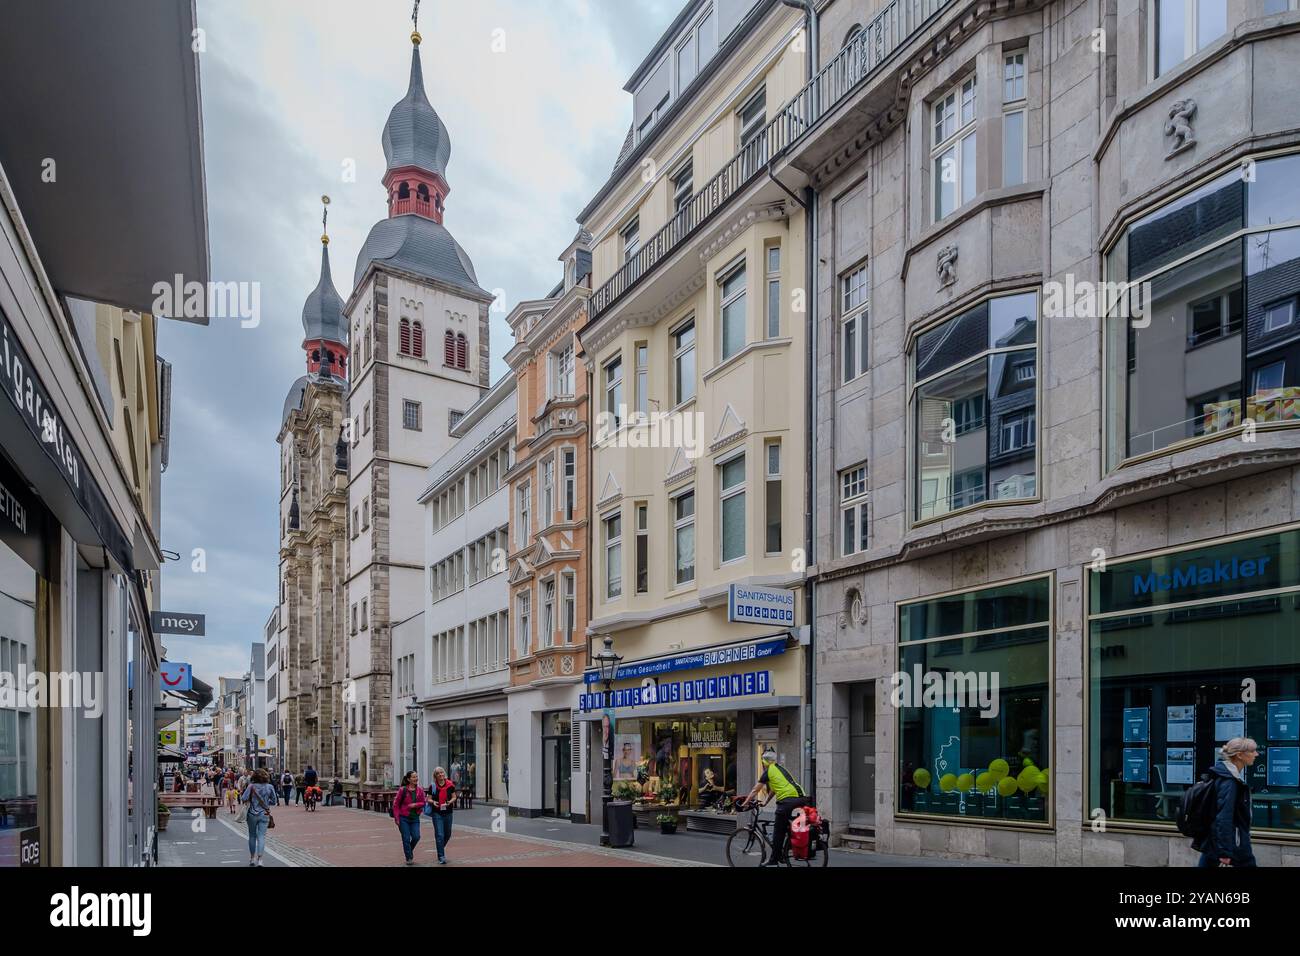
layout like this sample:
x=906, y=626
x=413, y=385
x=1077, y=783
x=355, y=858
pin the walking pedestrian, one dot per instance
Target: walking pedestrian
x=407, y=807
x=260, y=797
x=297, y=788
x=441, y=800
x=286, y=785
x=232, y=794
x=1228, y=842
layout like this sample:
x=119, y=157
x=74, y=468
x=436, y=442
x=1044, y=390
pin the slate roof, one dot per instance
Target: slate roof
x=322, y=313
x=414, y=134
x=415, y=244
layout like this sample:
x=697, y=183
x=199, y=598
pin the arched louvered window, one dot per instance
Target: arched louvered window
x=449, y=349
x=404, y=337
x=417, y=339
x=423, y=192
x=404, y=191
x=462, y=351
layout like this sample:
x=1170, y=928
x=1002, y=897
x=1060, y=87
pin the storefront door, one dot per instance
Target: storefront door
x=555, y=776
x=862, y=753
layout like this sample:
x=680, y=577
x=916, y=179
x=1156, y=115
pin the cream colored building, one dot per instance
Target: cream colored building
x=696, y=347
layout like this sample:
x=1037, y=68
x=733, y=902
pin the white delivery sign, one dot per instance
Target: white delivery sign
x=754, y=605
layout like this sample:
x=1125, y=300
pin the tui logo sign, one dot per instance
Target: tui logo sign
x=1199, y=574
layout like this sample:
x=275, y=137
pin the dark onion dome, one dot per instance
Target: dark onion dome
x=322, y=313
x=293, y=401
x=421, y=246
x=414, y=135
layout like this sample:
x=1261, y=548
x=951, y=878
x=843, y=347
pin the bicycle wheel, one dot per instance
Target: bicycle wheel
x=747, y=848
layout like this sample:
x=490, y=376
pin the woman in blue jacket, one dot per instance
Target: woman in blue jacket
x=1228, y=842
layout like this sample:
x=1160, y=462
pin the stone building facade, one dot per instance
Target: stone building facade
x=1095, y=505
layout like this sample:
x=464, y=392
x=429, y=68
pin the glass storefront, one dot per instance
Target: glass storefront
x=973, y=696
x=1187, y=650
x=456, y=752
x=21, y=766
x=498, y=762
x=686, y=761
x=557, y=768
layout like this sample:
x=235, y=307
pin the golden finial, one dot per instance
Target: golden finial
x=324, y=219
x=415, y=24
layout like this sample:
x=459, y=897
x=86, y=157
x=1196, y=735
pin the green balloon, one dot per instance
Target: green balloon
x=948, y=782
x=1006, y=786
x=921, y=777
x=965, y=782
x=1028, y=779
x=985, y=782
x=999, y=768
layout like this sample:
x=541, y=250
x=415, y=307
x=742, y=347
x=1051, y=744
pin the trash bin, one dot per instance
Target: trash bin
x=620, y=823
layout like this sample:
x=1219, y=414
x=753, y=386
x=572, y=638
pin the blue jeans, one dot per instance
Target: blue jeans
x=1242, y=855
x=410, y=828
x=257, y=833
x=442, y=833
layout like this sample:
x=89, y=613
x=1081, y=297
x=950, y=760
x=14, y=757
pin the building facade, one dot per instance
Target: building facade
x=418, y=323
x=1083, y=500
x=696, y=353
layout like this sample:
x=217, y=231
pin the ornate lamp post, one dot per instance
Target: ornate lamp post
x=608, y=663
x=413, y=711
x=334, y=729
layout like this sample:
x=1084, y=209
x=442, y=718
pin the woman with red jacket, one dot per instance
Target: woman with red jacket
x=407, y=807
x=441, y=800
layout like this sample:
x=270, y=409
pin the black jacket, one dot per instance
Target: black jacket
x=1231, y=813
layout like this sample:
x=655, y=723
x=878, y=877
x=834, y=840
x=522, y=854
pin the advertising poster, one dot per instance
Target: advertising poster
x=1180, y=765
x=1284, y=720
x=1229, y=721
x=1180, y=723
x=1137, y=725
x=627, y=751
x=1137, y=765
x=1283, y=766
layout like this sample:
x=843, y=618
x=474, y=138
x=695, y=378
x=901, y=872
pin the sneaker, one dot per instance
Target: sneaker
x=259, y=861
x=409, y=862
x=442, y=860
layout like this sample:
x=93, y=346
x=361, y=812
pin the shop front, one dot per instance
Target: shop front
x=470, y=741
x=1188, y=649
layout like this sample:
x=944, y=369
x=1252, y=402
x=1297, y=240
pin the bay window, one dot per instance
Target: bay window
x=613, y=525
x=684, y=362
x=952, y=153
x=732, y=286
x=684, y=538
x=614, y=390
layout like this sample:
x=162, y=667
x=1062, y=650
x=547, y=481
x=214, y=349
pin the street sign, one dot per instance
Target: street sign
x=178, y=622
x=754, y=605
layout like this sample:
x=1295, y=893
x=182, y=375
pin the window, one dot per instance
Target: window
x=548, y=493
x=970, y=383
x=365, y=418
x=731, y=490
x=365, y=513
x=411, y=415
x=562, y=372
x=1268, y=377
x=417, y=339
x=462, y=351
x=1214, y=318
x=1171, y=645
x=631, y=234
x=569, y=596
x=613, y=556
x=853, y=510
x=772, y=498
x=753, y=116
x=614, y=390
x=696, y=50
x=547, y=637
x=733, y=311
x=953, y=152
x=684, y=537
x=684, y=362
x=365, y=620
x=570, y=482
x=449, y=348
x=643, y=380
x=523, y=636
x=853, y=322
x=1013, y=119
x=994, y=734
x=1279, y=315
x=683, y=185
x=356, y=523
x=363, y=718
x=523, y=509
x=354, y=619
x=404, y=337
x=642, y=549
x=773, y=291
x=1182, y=27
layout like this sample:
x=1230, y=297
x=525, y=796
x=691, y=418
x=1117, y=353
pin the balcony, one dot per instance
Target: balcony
x=413, y=203
x=861, y=58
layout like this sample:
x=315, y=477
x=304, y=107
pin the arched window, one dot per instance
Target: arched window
x=462, y=351
x=417, y=339
x=853, y=32
x=404, y=337
x=449, y=349
x=404, y=190
x=423, y=192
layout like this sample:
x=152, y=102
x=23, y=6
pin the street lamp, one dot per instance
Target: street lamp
x=413, y=710
x=608, y=663
x=335, y=728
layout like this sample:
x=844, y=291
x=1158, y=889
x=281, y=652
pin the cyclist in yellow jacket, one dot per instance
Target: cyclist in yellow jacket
x=789, y=796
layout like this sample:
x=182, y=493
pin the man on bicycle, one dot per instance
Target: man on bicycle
x=789, y=796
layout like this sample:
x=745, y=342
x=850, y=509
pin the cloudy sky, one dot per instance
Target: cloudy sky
x=294, y=94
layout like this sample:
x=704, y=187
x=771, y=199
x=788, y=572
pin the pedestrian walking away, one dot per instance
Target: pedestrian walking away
x=260, y=797
x=1227, y=843
x=441, y=800
x=286, y=786
x=407, y=807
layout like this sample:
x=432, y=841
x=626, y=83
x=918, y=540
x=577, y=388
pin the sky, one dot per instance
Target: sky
x=295, y=95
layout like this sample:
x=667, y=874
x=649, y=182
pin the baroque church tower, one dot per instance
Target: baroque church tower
x=313, y=536
x=418, y=325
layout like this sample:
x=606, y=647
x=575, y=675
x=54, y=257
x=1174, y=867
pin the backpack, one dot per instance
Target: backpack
x=1196, y=811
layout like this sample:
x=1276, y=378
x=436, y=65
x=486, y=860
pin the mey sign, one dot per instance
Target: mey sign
x=175, y=622
x=1199, y=575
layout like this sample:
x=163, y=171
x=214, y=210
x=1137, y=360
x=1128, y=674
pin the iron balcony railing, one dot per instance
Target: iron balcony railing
x=865, y=53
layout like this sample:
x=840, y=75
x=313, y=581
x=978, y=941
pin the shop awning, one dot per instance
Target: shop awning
x=164, y=717
x=721, y=705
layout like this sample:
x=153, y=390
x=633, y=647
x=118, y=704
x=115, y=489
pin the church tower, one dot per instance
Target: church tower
x=418, y=325
x=313, y=535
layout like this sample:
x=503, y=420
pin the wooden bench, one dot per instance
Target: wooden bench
x=191, y=801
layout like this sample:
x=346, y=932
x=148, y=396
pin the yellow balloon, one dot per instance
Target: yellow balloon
x=1028, y=779
x=999, y=768
x=921, y=777
x=985, y=782
x=948, y=782
x=965, y=782
x=1006, y=786
x=1027, y=762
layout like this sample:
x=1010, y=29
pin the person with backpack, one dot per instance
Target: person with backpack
x=407, y=807
x=1216, y=810
x=286, y=786
x=789, y=796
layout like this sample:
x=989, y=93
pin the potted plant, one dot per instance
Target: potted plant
x=667, y=793
x=667, y=822
x=164, y=815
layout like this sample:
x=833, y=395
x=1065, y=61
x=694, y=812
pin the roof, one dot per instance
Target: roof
x=414, y=134
x=322, y=313
x=421, y=246
x=293, y=401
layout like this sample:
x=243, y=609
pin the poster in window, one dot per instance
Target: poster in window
x=1229, y=721
x=1180, y=765
x=1283, y=766
x=1137, y=725
x=1284, y=720
x=627, y=753
x=1137, y=765
x=1180, y=723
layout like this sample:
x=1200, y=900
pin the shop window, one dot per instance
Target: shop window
x=973, y=698
x=688, y=763
x=974, y=407
x=22, y=768
x=1173, y=639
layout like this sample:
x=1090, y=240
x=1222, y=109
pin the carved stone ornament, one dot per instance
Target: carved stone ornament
x=1179, y=126
x=946, y=265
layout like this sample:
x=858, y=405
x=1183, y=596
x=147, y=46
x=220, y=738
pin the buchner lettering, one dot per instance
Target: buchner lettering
x=73, y=909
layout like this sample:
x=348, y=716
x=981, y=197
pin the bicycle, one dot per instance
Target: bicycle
x=751, y=845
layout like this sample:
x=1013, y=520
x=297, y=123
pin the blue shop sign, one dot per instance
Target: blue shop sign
x=683, y=691
x=712, y=657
